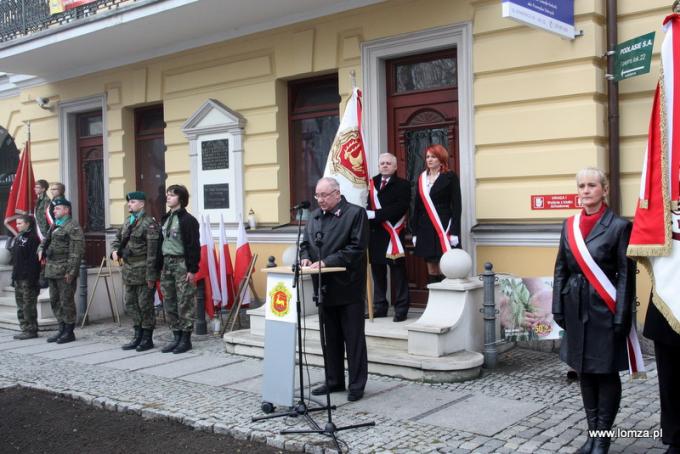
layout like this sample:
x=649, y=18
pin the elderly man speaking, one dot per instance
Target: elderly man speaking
x=341, y=228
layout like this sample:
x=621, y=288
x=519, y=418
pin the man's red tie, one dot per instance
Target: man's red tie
x=383, y=183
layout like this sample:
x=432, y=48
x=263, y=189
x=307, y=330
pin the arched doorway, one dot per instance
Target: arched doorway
x=9, y=160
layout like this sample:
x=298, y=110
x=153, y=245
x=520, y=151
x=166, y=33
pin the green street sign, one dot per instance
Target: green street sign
x=633, y=57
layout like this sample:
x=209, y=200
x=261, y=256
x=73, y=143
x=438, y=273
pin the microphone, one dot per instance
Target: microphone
x=301, y=206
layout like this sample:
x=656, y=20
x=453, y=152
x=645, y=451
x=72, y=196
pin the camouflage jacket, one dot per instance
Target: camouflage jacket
x=139, y=252
x=41, y=207
x=63, y=249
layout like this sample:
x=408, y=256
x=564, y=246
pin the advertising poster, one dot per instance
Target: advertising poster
x=525, y=308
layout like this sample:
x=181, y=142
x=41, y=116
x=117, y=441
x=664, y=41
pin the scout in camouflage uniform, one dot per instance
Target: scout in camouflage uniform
x=42, y=205
x=25, y=274
x=136, y=245
x=63, y=249
x=181, y=251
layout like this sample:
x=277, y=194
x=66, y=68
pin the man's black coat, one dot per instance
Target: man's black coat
x=344, y=232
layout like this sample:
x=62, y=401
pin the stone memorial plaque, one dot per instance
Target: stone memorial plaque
x=215, y=154
x=216, y=196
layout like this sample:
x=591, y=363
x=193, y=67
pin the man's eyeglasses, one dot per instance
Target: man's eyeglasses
x=324, y=196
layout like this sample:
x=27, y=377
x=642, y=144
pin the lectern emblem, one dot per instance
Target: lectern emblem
x=280, y=298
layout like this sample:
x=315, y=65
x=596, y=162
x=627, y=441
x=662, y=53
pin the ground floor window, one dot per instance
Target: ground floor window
x=313, y=112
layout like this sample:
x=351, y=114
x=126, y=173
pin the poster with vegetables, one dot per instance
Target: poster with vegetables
x=525, y=307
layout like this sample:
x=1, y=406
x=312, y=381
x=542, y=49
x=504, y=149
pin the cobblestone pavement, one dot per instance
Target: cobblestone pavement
x=524, y=405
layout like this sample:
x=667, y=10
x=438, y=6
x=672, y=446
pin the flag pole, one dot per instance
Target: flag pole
x=369, y=276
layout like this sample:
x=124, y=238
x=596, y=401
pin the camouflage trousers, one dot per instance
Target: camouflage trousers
x=139, y=305
x=179, y=296
x=62, y=299
x=27, y=300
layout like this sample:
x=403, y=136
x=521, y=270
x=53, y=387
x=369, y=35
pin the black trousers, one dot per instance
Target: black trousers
x=668, y=371
x=398, y=270
x=344, y=329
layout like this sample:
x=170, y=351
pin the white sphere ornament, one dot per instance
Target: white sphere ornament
x=456, y=264
x=5, y=256
x=288, y=257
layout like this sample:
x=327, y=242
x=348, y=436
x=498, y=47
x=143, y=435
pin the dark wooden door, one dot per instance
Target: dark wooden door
x=422, y=109
x=150, y=158
x=91, y=201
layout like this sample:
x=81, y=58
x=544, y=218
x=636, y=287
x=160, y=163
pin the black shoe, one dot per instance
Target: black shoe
x=57, y=335
x=135, y=340
x=672, y=449
x=353, y=396
x=399, y=318
x=68, y=335
x=25, y=335
x=171, y=346
x=184, y=343
x=147, y=340
x=321, y=390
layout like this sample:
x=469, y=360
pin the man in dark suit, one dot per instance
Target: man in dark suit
x=667, y=351
x=337, y=232
x=388, y=203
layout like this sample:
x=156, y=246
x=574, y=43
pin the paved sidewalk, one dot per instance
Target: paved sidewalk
x=525, y=405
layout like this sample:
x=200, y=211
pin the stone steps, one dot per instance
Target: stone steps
x=393, y=362
x=381, y=332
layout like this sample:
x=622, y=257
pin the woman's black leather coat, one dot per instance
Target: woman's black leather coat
x=595, y=338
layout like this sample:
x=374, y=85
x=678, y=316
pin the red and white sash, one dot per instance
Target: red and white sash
x=48, y=215
x=395, y=249
x=603, y=286
x=442, y=233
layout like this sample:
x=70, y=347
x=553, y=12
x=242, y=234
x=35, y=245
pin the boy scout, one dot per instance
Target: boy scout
x=63, y=249
x=135, y=245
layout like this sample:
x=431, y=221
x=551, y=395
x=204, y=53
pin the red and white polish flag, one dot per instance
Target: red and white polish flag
x=215, y=294
x=226, y=271
x=243, y=258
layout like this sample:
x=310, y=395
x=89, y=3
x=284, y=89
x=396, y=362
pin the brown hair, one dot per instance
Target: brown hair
x=441, y=154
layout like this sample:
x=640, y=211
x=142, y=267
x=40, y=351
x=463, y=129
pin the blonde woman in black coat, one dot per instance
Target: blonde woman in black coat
x=595, y=334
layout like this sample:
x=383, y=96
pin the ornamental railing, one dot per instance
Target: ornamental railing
x=22, y=17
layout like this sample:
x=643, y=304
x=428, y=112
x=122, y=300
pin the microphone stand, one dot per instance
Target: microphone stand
x=301, y=409
x=330, y=429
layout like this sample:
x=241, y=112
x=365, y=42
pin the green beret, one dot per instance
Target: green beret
x=61, y=201
x=135, y=195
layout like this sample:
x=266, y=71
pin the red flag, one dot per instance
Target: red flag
x=655, y=238
x=21, y=198
x=243, y=258
x=226, y=270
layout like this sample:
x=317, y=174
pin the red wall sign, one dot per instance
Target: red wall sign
x=555, y=202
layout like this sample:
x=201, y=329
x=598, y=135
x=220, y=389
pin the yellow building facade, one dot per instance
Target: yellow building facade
x=531, y=111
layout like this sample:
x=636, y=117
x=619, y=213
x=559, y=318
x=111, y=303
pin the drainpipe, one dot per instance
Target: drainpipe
x=613, y=109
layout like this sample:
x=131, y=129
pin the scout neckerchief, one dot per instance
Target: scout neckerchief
x=395, y=249
x=604, y=287
x=432, y=213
